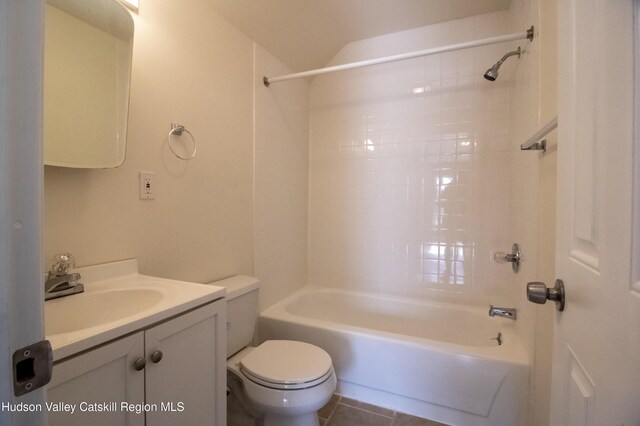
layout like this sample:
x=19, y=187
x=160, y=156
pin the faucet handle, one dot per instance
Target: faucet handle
x=514, y=257
x=61, y=263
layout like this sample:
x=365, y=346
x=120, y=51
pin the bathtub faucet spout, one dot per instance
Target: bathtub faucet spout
x=509, y=313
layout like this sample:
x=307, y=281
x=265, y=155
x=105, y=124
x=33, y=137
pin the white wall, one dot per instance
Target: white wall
x=281, y=180
x=408, y=167
x=190, y=67
x=533, y=185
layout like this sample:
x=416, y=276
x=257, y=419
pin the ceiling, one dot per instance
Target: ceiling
x=306, y=34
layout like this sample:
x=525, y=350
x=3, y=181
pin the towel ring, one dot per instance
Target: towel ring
x=178, y=129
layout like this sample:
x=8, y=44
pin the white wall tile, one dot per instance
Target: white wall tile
x=413, y=197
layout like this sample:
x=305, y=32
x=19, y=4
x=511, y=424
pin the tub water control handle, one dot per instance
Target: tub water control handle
x=538, y=292
x=514, y=257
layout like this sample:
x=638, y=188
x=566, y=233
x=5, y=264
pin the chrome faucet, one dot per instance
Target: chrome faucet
x=509, y=313
x=59, y=281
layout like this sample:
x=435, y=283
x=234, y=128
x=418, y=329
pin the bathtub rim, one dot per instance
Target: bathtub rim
x=511, y=351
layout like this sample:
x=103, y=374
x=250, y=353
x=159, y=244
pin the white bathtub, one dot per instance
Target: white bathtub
x=425, y=358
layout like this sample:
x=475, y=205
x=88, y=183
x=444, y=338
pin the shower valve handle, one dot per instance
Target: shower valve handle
x=514, y=257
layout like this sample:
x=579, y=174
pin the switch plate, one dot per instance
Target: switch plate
x=147, y=186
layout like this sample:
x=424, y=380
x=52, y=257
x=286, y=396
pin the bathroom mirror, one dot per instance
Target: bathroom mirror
x=87, y=71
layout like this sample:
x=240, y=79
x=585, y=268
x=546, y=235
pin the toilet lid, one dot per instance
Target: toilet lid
x=287, y=364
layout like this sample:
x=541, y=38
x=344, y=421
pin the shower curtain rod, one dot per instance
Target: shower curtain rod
x=450, y=48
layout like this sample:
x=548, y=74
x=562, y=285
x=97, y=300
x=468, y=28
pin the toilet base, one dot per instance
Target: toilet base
x=310, y=419
x=279, y=407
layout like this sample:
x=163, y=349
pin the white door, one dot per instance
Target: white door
x=596, y=364
x=21, y=182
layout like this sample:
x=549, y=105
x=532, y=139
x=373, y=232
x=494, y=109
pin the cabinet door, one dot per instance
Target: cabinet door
x=188, y=385
x=97, y=380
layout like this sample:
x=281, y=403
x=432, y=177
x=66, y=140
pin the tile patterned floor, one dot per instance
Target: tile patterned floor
x=341, y=411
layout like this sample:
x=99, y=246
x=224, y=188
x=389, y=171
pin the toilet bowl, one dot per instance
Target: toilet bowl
x=284, y=381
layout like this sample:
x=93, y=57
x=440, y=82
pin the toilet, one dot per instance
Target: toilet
x=284, y=381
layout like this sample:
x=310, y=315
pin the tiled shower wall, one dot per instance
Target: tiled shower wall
x=408, y=190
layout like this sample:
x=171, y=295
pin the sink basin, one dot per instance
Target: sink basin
x=117, y=300
x=86, y=310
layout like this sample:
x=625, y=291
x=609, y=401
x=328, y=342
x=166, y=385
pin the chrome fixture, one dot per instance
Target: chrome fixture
x=509, y=313
x=132, y=4
x=60, y=282
x=513, y=257
x=538, y=292
x=537, y=141
x=528, y=35
x=178, y=130
x=536, y=146
x=492, y=73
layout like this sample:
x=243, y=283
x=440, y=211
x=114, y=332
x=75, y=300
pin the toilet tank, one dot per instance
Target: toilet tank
x=242, y=310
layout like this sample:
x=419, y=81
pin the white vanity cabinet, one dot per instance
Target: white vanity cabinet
x=104, y=374
x=170, y=373
x=190, y=379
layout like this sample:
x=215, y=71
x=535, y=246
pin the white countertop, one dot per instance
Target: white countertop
x=96, y=316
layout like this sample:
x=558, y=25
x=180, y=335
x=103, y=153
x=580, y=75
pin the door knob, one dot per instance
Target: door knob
x=538, y=292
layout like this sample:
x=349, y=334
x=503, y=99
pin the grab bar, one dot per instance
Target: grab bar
x=536, y=142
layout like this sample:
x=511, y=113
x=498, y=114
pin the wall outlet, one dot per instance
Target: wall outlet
x=147, y=186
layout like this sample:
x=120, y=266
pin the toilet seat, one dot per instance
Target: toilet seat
x=287, y=365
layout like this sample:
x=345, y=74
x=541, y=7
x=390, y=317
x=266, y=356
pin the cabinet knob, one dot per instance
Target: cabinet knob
x=139, y=363
x=156, y=356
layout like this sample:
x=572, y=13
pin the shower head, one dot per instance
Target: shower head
x=492, y=73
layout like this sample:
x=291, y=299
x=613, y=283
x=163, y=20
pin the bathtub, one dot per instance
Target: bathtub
x=434, y=360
